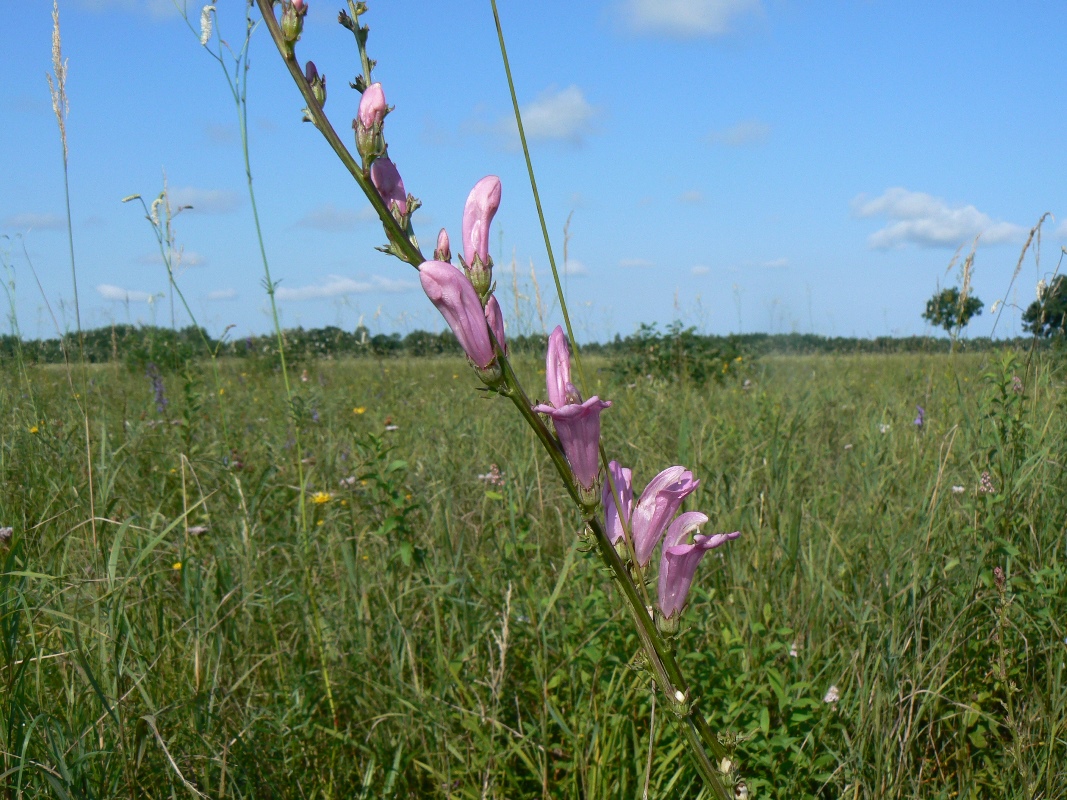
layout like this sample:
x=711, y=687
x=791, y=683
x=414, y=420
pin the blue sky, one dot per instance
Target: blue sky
x=762, y=165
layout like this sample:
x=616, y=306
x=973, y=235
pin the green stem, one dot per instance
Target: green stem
x=537, y=200
x=409, y=252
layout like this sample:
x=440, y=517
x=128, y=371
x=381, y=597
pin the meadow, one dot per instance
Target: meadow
x=179, y=618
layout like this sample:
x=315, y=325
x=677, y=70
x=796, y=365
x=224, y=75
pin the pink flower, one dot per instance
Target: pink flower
x=482, y=203
x=496, y=321
x=679, y=561
x=443, y=251
x=372, y=107
x=659, y=502
x=577, y=423
x=386, y=179
x=452, y=294
x=614, y=521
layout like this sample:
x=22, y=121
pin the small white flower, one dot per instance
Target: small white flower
x=832, y=695
x=6, y=534
x=679, y=696
x=793, y=650
x=392, y=427
x=848, y=446
x=884, y=427
x=958, y=490
x=1042, y=288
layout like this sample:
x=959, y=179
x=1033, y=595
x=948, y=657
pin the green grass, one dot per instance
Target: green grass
x=472, y=650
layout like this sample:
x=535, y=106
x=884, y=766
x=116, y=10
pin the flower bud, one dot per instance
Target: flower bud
x=368, y=122
x=495, y=319
x=386, y=179
x=292, y=23
x=317, y=83
x=482, y=204
x=443, y=252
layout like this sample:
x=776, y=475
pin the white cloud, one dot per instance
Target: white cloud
x=748, y=132
x=700, y=269
x=691, y=198
x=328, y=217
x=117, y=293
x=210, y=201
x=40, y=222
x=775, y=263
x=339, y=286
x=222, y=294
x=575, y=267
x=686, y=19
x=186, y=258
x=626, y=263
x=561, y=115
x=1061, y=231
x=927, y=221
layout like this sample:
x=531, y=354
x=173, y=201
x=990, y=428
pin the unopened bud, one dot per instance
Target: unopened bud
x=386, y=179
x=292, y=23
x=998, y=578
x=368, y=123
x=317, y=83
x=443, y=251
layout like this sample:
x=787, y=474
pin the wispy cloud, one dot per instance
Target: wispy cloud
x=692, y=197
x=329, y=217
x=686, y=19
x=1061, y=231
x=700, y=269
x=208, y=201
x=574, y=267
x=220, y=133
x=39, y=222
x=339, y=286
x=556, y=114
x=775, y=263
x=642, y=263
x=118, y=294
x=221, y=294
x=747, y=132
x=927, y=221
x=187, y=258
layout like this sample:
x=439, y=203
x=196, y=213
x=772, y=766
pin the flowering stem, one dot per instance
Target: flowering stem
x=409, y=251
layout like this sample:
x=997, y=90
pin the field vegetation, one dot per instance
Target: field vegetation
x=891, y=622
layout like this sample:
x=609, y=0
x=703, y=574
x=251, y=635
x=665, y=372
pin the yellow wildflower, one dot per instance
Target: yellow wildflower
x=176, y=565
x=35, y=429
x=359, y=410
x=320, y=497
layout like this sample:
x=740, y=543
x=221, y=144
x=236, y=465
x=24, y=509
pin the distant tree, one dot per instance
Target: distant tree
x=1047, y=315
x=946, y=309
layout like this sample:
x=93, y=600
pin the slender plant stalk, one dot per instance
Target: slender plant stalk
x=659, y=654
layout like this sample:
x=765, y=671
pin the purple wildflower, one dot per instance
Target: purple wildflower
x=577, y=422
x=920, y=420
x=454, y=296
x=679, y=561
x=157, y=388
x=658, y=504
x=622, y=478
x=386, y=179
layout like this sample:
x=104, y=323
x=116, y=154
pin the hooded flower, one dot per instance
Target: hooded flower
x=577, y=422
x=622, y=478
x=452, y=294
x=679, y=561
x=482, y=203
x=386, y=179
x=496, y=321
x=659, y=502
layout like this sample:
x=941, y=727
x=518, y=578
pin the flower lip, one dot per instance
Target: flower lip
x=679, y=561
x=578, y=428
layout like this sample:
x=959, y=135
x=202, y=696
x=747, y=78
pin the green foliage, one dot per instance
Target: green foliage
x=166, y=625
x=1047, y=316
x=948, y=309
x=678, y=354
